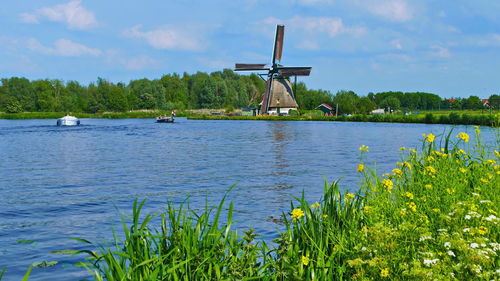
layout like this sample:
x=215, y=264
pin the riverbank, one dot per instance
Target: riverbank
x=454, y=118
x=439, y=117
x=105, y=115
x=433, y=217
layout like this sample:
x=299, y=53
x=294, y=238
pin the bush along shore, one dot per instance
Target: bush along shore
x=433, y=217
x=452, y=118
x=108, y=115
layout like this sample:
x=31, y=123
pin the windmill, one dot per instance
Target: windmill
x=278, y=94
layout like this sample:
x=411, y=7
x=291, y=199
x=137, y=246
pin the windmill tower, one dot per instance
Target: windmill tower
x=279, y=97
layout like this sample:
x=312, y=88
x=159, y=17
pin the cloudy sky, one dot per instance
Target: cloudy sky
x=448, y=47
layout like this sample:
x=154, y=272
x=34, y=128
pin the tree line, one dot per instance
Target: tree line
x=220, y=89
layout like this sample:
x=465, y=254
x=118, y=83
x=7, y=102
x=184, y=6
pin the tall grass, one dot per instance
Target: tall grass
x=429, y=118
x=433, y=217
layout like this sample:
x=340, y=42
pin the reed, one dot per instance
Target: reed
x=433, y=217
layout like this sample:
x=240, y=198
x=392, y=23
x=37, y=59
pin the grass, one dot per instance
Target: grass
x=433, y=217
x=452, y=118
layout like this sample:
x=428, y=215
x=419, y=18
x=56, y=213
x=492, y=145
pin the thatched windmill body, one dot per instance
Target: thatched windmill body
x=279, y=97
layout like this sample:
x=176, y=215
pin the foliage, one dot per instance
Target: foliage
x=434, y=217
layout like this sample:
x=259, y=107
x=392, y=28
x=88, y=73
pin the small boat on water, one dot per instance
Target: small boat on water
x=165, y=119
x=68, y=120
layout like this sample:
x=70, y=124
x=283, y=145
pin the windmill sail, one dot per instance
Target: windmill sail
x=250, y=66
x=278, y=43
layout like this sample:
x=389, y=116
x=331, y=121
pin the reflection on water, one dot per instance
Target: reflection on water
x=66, y=182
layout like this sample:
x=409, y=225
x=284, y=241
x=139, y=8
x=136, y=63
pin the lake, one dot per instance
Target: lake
x=60, y=182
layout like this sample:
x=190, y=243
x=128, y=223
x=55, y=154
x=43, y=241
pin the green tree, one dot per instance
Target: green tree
x=347, y=101
x=494, y=101
x=365, y=105
x=391, y=103
x=473, y=102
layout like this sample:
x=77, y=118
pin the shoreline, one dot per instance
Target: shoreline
x=453, y=118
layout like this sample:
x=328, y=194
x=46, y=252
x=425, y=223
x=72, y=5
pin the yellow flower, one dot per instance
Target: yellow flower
x=367, y=209
x=305, y=260
x=460, y=151
x=497, y=154
x=407, y=165
x=403, y=212
x=430, y=159
x=297, y=214
x=412, y=206
x=399, y=163
x=450, y=190
x=315, y=205
x=397, y=172
x=384, y=272
x=355, y=262
x=463, y=136
x=482, y=230
x=413, y=150
x=490, y=162
x=435, y=210
x=484, y=180
x=496, y=167
x=431, y=171
x=360, y=168
x=430, y=137
x=325, y=216
x=364, y=148
x=428, y=186
x=402, y=148
x=388, y=184
x=349, y=196
x=409, y=195
x=462, y=170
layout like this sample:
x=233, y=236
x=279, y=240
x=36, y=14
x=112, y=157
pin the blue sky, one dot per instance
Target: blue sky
x=451, y=48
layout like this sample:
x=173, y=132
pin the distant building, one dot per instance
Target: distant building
x=327, y=110
x=486, y=102
x=378, y=111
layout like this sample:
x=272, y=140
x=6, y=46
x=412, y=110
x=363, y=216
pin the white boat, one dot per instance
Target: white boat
x=68, y=121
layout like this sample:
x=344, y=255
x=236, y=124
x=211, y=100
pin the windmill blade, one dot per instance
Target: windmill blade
x=250, y=66
x=294, y=71
x=265, y=98
x=278, y=43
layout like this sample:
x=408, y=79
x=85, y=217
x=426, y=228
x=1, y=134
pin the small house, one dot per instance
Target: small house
x=327, y=110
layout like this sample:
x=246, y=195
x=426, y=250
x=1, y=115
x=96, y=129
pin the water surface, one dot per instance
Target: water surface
x=59, y=182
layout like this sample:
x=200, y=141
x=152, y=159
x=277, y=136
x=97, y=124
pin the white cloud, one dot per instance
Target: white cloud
x=139, y=63
x=315, y=2
x=393, y=10
x=169, y=37
x=316, y=25
x=72, y=14
x=28, y=18
x=62, y=47
x=440, y=52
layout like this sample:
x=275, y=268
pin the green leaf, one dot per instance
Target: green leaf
x=44, y=264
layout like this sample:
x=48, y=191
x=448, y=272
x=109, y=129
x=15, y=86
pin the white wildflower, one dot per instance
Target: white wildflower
x=423, y=238
x=450, y=253
x=475, y=194
x=442, y=230
x=429, y=263
x=447, y=245
x=467, y=217
x=476, y=268
x=466, y=229
x=495, y=246
x=474, y=245
x=485, y=201
x=363, y=249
